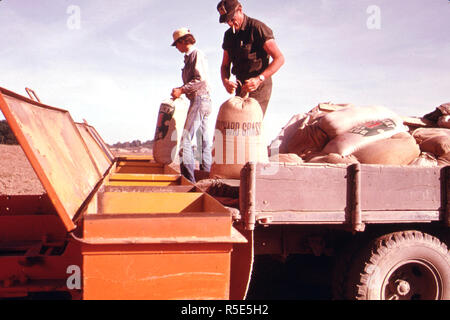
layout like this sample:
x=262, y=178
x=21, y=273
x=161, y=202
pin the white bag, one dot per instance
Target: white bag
x=341, y=121
x=364, y=134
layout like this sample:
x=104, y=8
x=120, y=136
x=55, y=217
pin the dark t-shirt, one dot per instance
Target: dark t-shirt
x=245, y=48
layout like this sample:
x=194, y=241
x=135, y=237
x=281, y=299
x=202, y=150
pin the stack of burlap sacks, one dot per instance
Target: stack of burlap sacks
x=345, y=134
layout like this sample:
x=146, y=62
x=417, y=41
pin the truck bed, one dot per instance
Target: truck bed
x=356, y=195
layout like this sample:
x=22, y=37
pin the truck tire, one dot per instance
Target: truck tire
x=406, y=265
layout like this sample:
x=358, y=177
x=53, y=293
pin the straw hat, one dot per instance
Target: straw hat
x=180, y=33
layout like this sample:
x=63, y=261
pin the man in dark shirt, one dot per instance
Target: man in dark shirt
x=248, y=46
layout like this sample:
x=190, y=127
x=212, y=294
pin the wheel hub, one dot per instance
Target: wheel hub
x=403, y=287
x=412, y=280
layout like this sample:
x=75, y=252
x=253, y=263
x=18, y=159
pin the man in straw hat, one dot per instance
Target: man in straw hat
x=248, y=45
x=196, y=88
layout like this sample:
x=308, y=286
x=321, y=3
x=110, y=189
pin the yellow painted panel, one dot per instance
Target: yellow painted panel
x=139, y=170
x=143, y=183
x=139, y=163
x=139, y=202
x=143, y=177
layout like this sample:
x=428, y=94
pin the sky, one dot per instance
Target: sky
x=111, y=63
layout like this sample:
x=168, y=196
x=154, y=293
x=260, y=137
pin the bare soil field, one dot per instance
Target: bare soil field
x=17, y=177
x=132, y=151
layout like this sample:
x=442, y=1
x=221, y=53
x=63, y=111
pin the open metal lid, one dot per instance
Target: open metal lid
x=100, y=152
x=56, y=150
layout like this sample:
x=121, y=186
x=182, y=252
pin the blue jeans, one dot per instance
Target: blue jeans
x=196, y=125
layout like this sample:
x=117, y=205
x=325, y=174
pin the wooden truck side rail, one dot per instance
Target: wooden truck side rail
x=354, y=195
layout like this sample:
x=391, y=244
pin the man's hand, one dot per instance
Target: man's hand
x=251, y=84
x=176, y=93
x=230, y=86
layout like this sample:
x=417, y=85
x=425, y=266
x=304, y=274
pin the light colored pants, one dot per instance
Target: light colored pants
x=196, y=125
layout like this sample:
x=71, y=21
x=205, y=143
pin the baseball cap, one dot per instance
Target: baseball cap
x=226, y=9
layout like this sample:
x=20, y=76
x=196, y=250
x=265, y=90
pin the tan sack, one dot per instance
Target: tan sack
x=444, y=108
x=309, y=139
x=425, y=159
x=444, y=160
x=169, y=129
x=238, y=137
x=392, y=151
x=279, y=144
x=364, y=134
x=334, y=158
x=421, y=134
x=286, y=158
x=341, y=121
x=401, y=135
x=292, y=133
x=437, y=145
x=444, y=122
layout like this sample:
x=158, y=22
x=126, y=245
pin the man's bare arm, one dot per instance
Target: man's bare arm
x=225, y=73
x=272, y=50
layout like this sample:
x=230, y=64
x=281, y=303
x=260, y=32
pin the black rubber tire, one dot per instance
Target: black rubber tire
x=397, y=265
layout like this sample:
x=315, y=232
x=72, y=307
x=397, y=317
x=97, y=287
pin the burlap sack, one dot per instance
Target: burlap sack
x=280, y=144
x=238, y=137
x=401, y=135
x=425, y=159
x=437, y=145
x=341, y=121
x=308, y=139
x=444, y=122
x=392, y=151
x=286, y=158
x=422, y=134
x=364, y=134
x=169, y=130
x=334, y=158
x=444, y=160
x=445, y=108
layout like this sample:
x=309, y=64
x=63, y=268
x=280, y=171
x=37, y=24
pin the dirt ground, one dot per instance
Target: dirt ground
x=17, y=177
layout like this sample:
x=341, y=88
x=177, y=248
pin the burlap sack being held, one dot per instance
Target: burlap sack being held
x=169, y=129
x=238, y=137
